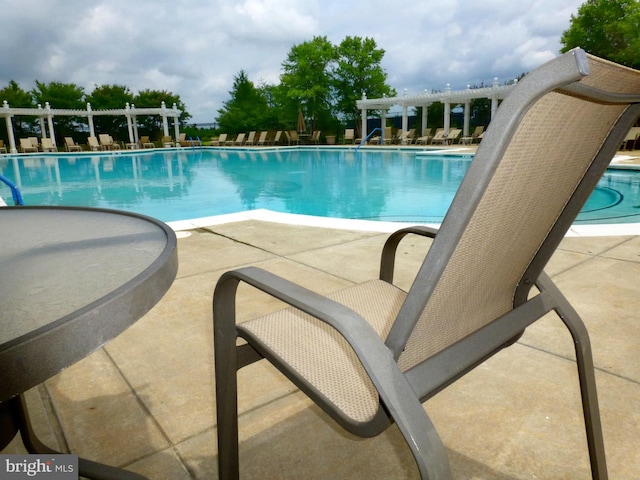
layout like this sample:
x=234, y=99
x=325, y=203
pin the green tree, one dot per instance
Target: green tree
x=63, y=96
x=358, y=72
x=307, y=80
x=110, y=97
x=608, y=29
x=17, y=97
x=152, y=124
x=246, y=110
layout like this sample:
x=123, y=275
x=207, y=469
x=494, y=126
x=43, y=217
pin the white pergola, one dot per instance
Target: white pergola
x=47, y=113
x=459, y=97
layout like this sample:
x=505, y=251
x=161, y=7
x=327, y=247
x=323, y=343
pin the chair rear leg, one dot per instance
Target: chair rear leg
x=586, y=375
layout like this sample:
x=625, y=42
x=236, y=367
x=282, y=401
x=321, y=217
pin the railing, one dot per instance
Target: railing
x=15, y=191
x=365, y=140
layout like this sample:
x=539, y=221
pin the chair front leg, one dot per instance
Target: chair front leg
x=225, y=357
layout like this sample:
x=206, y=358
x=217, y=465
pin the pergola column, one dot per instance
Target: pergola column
x=467, y=116
x=12, y=138
x=92, y=130
x=165, y=124
x=176, y=121
x=129, y=123
x=50, y=123
x=134, y=120
x=363, y=119
x=405, y=122
x=425, y=112
x=383, y=124
x=447, y=110
x=43, y=129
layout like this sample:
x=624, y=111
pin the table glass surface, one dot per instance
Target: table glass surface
x=55, y=262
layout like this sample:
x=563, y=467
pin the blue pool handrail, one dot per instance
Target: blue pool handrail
x=15, y=191
x=365, y=140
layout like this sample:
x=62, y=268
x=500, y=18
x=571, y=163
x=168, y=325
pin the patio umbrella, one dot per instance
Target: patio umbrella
x=301, y=126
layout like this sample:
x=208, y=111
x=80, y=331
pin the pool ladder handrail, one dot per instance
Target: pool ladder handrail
x=364, y=140
x=15, y=191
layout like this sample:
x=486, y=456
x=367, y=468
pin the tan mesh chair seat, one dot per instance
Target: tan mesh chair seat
x=371, y=354
x=321, y=355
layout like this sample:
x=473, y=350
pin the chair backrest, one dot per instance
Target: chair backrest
x=222, y=137
x=349, y=134
x=541, y=157
x=92, y=142
x=105, y=139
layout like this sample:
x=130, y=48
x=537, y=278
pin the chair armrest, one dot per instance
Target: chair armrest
x=388, y=257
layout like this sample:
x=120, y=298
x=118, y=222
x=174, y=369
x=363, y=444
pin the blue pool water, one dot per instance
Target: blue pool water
x=183, y=184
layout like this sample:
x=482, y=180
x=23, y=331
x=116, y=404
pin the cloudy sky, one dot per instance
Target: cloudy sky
x=194, y=48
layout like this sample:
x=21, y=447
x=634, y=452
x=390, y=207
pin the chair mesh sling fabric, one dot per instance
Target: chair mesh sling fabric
x=370, y=355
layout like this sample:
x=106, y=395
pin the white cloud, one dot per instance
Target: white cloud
x=194, y=48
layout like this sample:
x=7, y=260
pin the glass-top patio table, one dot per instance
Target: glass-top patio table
x=71, y=279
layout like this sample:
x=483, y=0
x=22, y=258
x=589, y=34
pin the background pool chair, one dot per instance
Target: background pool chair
x=629, y=141
x=71, y=145
x=146, y=143
x=239, y=141
x=93, y=144
x=425, y=137
x=292, y=137
x=262, y=138
x=349, y=136
x=48, y=146
x=405, y=138
x=3, y=149
x=167, y=141
x=107, y=142
x=315, y=137
x=251, y=138
x=277, y=138
x=370, y=355
x=27, y=146
x=474, y=137
x=221, y=140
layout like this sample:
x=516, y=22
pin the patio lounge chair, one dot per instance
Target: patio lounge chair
x=239, y=141
x=474, y=137
x=277, y=138
x=27, y=146
x=107, y=142
x=221, y=140
x=3, y=149
x=48, y=146
x=349, y=135
x=370, y=355
x=167, y=142
x=93, y=144
x=425, y=137
x=251, y=138
x=144, y=141
x=71, y=145
x=315, y=137
x=262, y=139
x=630, y=140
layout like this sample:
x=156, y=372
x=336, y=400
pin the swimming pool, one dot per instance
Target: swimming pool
x=384, y=185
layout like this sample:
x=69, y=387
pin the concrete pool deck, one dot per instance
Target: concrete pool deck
x=146, y=400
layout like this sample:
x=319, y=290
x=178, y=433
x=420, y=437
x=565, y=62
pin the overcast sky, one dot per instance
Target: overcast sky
x=194, y=48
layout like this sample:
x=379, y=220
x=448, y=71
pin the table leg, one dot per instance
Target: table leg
x=33, y=444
